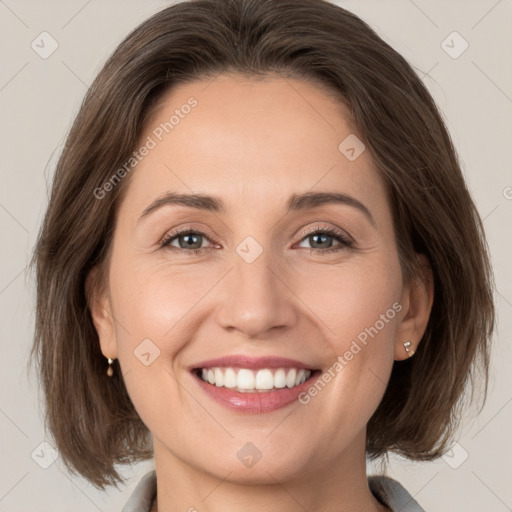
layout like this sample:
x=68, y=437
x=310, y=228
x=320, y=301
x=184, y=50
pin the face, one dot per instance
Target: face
x=261, y=282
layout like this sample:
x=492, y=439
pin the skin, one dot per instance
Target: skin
x=253, y=143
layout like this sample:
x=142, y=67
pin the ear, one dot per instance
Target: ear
x=417, y=300
x=101, y=312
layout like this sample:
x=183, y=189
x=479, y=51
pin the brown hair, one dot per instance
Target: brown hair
x=90, y=416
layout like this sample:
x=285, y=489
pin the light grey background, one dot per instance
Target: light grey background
x=38, y=100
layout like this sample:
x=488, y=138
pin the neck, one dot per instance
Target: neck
x=340, y=484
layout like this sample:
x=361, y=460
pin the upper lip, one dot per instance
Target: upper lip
x=244, y=361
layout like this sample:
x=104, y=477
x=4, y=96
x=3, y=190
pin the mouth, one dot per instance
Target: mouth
x=254, y=385
x=251, y=380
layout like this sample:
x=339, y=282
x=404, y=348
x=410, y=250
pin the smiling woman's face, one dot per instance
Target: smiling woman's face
x=261, y=286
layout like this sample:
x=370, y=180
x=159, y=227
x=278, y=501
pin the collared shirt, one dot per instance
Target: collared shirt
x=387, y=490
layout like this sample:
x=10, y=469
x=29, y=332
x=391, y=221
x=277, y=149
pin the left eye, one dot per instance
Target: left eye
x=325, y=236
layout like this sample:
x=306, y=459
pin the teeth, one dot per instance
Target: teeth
x=280, y=378
x=230, y=378
x=264, y=379
x=247, y=380
x=219, y=377
x=244, y=379
x=291, y=378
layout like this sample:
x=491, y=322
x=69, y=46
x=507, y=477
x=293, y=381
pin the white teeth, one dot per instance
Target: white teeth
x=219, y=377
x=229, y=378
x=290, y=378
x=280, y=378
x=264, y=379
x=247, y=380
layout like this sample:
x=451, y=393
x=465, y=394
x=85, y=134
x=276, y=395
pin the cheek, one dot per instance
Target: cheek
x=355, y=300
x=358, y=307
x=154, y=309
x=157, y=303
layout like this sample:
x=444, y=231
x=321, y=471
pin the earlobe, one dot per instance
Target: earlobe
x=100, y=308
x=418, y=298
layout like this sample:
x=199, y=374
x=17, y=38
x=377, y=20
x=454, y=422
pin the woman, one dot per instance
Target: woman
x=260, y=264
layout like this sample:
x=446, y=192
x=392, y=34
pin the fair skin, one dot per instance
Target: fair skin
x=254, y=143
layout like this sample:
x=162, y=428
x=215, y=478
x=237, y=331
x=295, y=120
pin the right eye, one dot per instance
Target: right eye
x=188, y=240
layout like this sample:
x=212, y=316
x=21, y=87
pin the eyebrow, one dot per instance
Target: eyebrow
x=296, y=202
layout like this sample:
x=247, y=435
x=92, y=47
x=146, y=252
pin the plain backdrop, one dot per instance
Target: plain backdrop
x=39, y=98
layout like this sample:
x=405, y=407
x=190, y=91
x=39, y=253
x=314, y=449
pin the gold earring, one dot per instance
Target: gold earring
x=409, y=351
x=110, y=370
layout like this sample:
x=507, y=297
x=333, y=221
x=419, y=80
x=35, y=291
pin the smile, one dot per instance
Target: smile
x=253, y=385
x=249, y=380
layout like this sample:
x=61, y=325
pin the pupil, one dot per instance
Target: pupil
x=321, y=236
x=190, y=243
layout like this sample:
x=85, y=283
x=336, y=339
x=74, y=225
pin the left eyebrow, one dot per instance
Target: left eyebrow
x=304, y=201
x=315, y=199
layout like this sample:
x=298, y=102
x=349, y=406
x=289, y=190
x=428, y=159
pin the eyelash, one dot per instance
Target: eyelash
x=345, y=241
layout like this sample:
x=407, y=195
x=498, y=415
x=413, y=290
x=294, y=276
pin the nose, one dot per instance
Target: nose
x=257, y=298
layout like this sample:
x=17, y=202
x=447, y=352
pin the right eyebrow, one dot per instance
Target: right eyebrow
x=200, y=201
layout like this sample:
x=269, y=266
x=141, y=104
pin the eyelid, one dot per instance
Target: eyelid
x=187, y=229
x=329, y=229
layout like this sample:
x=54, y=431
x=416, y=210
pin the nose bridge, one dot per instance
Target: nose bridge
x=256, y=299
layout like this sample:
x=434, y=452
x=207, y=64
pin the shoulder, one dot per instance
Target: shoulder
x=393, y=494
x=141, y=498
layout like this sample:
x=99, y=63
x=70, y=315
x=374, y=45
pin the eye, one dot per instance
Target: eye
x=323, y=236
x=189, y=240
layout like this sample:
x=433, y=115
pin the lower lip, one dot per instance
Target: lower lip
x=255, y=402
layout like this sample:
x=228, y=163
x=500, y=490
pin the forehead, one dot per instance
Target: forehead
x=250, y=139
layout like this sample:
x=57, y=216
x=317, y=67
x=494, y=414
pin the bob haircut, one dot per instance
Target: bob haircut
x=90, y=416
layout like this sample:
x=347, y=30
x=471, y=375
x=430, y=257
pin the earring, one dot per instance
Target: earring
x=110, y=370
x=409, y=351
